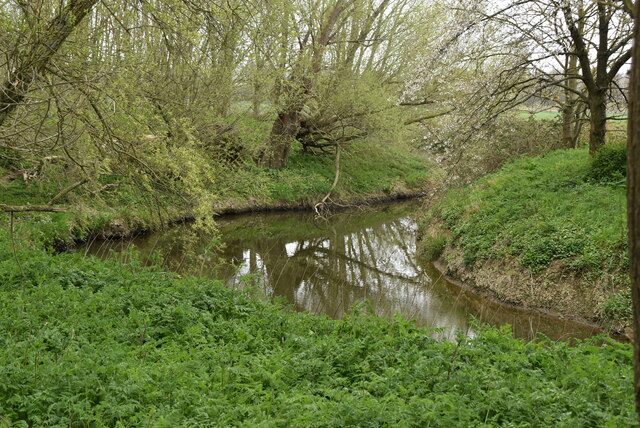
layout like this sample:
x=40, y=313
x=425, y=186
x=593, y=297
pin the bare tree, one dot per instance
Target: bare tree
x=577, y=47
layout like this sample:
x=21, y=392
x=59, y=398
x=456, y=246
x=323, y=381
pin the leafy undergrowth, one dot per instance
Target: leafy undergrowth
x=367, y=171
x=540, y=209
x=92, y=343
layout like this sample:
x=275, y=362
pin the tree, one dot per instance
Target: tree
x=633, y=196
x=41, y=46
x=327, y=47
x=612, y=52
x=314, y=37
x=574, y=46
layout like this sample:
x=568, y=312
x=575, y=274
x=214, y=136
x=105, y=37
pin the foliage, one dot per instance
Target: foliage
x=124, y=209
x=87, y=342
x=618, y=306
x=609, y=164
x=540, y=209
x=432, y=247
x=492, y=145
x=510, y=138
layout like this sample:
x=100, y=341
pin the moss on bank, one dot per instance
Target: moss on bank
x=87, y=342
x=542, y=233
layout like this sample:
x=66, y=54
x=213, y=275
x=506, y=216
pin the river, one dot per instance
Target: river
x=328, y=266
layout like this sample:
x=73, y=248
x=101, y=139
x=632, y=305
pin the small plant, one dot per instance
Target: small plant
x=433, y=246
x=609, y=164
x=617, y=307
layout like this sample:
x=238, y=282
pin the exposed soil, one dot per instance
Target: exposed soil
x=555, y=291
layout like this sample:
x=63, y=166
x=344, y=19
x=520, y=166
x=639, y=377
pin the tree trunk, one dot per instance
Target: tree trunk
x=283, y=132
x=598, y=121
x=38, y=55
x=570, y=110
x=568, y=119
x=256, y=101
x=633, y=199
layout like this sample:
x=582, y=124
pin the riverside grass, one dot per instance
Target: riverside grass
x=368, y=172
x=561, y=209
x=86, y=342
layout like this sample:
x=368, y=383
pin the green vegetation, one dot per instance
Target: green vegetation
x=432, y=247
x=87, y=342
x=131, y=118
x=366, y=172
x=609, y=164
x=562, y=207
x=540, y=209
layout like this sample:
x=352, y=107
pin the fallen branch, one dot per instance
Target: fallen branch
x=30, y=208
x=67, y=190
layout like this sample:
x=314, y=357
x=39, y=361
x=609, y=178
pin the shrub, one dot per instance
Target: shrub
x=609, y=164
x=433, y=246
x=617, y=307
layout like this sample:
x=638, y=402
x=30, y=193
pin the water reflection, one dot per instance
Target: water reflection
x=325, y=267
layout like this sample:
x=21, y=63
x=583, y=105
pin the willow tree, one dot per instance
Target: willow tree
x=121, y=90
x=323, y=45
x=36, y=44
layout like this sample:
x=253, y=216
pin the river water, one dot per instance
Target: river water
x=327, y=266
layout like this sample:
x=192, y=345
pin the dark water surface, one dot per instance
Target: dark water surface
x=327, y=266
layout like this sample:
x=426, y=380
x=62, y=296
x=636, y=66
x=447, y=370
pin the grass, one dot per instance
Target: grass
x=363, y=171
x=537, y=210
x=367, y=171
x=540, y=209
x=93, y=343
x=540, y=115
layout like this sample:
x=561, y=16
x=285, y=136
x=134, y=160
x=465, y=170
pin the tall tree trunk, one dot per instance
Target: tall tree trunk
x=633, y=198
x=570, y=103
x=598, y=120
x=256, y=97
x=37, y=56
x=282, y=133
x=256, y=100
x=568, y=120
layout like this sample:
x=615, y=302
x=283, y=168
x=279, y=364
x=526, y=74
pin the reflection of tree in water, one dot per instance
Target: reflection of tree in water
x=330, y=273
x=326, y=268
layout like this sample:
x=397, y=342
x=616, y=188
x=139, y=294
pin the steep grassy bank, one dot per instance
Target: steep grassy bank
x=92, y=343
x=368, y=172
x=545, y=232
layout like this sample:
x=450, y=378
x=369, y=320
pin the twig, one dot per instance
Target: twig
x=13, y=244
x=323, y=202
x=67, y=190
